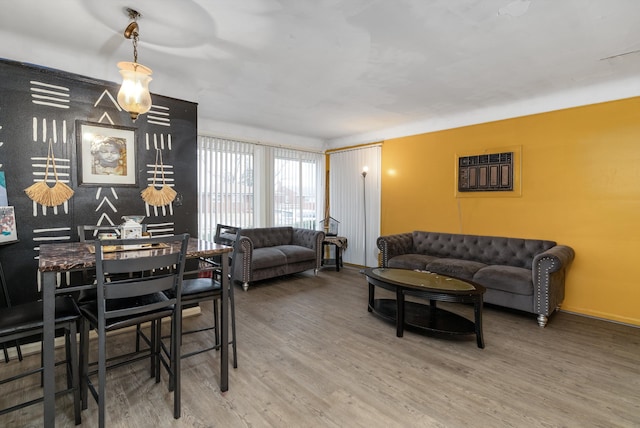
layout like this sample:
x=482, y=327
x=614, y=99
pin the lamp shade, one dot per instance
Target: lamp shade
x=134, y=95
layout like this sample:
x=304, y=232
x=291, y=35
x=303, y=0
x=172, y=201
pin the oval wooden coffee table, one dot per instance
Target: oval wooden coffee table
x=425, y=285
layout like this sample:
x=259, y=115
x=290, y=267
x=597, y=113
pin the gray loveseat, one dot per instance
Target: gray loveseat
x=269, y=252
x=523, y=274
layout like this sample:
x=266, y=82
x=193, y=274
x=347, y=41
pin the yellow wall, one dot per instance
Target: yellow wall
x=580, y=182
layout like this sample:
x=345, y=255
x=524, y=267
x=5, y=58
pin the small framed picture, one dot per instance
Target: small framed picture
x=8, y=232
x=106, y=155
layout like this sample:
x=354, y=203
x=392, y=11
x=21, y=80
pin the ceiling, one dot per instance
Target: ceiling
x=345, y=70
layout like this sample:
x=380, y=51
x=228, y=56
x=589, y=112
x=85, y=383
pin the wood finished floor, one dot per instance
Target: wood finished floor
x=310, y=355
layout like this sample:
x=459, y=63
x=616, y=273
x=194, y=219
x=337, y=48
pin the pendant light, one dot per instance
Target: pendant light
x=134, y=96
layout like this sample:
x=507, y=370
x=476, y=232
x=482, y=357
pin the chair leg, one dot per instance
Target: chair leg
x=102, y=376
x=233, y=327
x=157, y=348
x=67, y=350
x=18, y=350
x=84, y=362
x=154, y=361
x=172, y=367
x=137, y=337
x=216, y=321
x=176, y=337
x=75, y=369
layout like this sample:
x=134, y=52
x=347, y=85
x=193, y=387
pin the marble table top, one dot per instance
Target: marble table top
x=67, y=256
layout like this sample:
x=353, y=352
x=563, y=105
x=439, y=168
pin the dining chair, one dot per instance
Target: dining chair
x=25, y=321
x=202, y=289
x=89, y=233
x=124, y=302
x=202, y=284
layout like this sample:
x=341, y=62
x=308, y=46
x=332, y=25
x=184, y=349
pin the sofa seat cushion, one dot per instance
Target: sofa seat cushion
x=266, y=257
x=506, y=278
x=410, y=261
x=297, y=253
x=463, y=269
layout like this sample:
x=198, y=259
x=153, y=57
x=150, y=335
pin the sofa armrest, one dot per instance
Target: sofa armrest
x=394, y=245
x=554, y=259
x=311, y=239
x=242, y=259
x=548, y=272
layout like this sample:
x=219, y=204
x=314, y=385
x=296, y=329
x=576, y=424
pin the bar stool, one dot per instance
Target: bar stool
x=124, y=302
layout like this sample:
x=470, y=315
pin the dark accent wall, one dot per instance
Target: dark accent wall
x=38, y=104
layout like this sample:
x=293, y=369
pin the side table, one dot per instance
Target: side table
x=339, y=243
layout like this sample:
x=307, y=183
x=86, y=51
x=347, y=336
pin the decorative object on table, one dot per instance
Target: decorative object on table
x=8, y=231
x=134, y=96
x=330, y=226
x=106, y=154
x=41, y=193
x=158, y=197
x=132, y=226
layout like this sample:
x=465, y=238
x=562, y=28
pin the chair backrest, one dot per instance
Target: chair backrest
x=161, y=260
x=88, y=232
x=225, y=235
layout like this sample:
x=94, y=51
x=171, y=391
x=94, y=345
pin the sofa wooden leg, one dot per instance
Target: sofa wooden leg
x=245, y=286
x=542, y=320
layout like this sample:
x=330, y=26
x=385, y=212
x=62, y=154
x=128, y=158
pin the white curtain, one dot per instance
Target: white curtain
x=355, y=201
x=298, y=188
x=251, y=185
x=225, y=184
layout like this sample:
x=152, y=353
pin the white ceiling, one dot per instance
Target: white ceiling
x=345, y=71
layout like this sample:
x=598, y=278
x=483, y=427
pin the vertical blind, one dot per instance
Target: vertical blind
x=297, y=188
x=225, y=184
x=355, y=201
x=250, y=185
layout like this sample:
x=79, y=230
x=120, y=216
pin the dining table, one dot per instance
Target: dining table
x=59, y=258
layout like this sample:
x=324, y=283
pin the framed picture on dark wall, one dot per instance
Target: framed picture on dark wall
x=8, y=231
x=106, y=154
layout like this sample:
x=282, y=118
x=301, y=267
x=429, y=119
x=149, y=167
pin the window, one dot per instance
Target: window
x=251, y=185
x=225, y=185
x=295, y=178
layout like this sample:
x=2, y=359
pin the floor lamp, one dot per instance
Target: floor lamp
x=365, y=169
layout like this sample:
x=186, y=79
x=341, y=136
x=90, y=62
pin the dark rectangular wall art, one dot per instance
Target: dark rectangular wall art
x=486, y=173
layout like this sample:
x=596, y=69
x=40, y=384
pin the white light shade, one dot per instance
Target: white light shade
x=134, y=95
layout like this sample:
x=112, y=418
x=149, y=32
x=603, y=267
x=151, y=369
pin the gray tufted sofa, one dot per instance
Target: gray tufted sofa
x=269, y=252
x=523, y=274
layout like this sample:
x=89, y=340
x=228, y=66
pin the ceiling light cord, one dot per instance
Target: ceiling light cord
x=131, y=32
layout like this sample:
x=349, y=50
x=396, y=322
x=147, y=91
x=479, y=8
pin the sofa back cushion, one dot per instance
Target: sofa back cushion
x=268, y=236
x=492, y=250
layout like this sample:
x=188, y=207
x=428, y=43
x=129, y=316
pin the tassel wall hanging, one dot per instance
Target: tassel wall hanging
x=158, y=197
x=41, y=193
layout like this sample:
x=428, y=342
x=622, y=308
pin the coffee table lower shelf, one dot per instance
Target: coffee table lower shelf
x=425, y=317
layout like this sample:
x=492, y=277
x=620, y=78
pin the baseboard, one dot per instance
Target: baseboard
x=599, y=318
x=34, y=348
